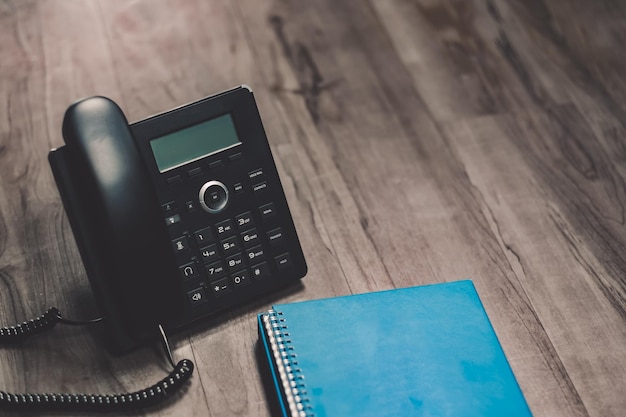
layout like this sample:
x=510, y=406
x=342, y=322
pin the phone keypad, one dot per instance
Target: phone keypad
x=231, y=254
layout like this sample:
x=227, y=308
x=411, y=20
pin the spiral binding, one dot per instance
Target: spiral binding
x=285, y=360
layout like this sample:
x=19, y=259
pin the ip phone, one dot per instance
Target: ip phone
x=176, y=217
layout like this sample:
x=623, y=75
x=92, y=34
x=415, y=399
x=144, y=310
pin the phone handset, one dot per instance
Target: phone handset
x=133, y=269
x=125, y=248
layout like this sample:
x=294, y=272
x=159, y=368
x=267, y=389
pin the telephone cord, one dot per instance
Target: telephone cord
x=88, y=402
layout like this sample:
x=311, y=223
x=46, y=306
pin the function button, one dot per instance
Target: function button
x=260, y=187
x=238, y=187
x=174, y=179
x=256, y=253
x=204, y=236
x=172, y=219
x=250, y=237
x=220, y=287
x=216, y=164
x=213, y=196
x=235, y=156
x=275, y=236
x=197, y=297
x=261, y=270
x=209, y=253
x=244, y=220
x=215, y=270
x=194, y=171
x=168, y=207
x=225, y=228
x=267, y=211
x=191, y=206
x=256, y=175
x=241, y=278
x=188, y=270
x=283, y=261
x=180, y=244
x=235, y=262
x=230, y=245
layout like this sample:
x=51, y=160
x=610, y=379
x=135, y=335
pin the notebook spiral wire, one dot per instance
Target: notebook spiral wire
x=285, y=358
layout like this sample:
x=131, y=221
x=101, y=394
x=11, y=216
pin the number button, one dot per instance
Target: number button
x=240, y=279
x=224, y=228
x=244, y=220
x=215, y=270
x=229, y=245
x=209, y=253
x=256, y=253
x=204, y=236
x=250, y=237
x=235, y=262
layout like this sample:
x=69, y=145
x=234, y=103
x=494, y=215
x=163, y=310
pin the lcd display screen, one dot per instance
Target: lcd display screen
x=194, y=142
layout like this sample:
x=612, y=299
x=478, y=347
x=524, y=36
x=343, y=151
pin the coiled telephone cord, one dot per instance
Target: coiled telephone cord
x=88, y=402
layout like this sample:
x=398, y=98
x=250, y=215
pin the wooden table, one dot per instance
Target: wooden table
x=418, y=142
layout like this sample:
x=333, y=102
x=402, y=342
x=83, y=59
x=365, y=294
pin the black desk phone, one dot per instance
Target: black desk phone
x=177, y=216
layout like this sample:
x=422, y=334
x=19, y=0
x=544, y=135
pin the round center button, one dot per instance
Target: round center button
x=213, y=196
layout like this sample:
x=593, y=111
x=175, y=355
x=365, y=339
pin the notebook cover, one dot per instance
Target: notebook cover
x=419, y=351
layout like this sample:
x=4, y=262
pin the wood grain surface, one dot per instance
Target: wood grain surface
x=418, y=141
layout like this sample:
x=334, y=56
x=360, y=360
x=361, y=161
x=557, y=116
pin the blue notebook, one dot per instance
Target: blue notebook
x=420, y=351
